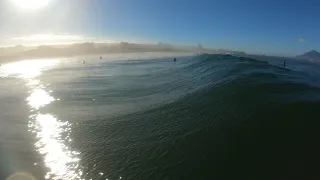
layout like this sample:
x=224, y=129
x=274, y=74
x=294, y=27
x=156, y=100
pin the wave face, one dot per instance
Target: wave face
x=202, y=117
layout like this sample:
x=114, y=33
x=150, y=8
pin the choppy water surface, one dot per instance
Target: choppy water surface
x=143, y=116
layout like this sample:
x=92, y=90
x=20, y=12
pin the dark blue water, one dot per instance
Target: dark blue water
x=143, y=116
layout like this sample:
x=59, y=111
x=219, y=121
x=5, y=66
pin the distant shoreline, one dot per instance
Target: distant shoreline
x=105, y=55
x=64, y=51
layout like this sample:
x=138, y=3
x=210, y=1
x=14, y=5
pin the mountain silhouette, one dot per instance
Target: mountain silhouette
x=91, y=48
x=313, y=55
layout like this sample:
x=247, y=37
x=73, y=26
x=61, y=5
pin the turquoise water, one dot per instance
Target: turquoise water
x=143, y=116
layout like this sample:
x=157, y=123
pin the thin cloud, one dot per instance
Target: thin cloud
x=62, y=38
x=301, y=40
x=51, y=38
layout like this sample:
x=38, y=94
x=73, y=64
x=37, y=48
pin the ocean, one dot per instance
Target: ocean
x=142, y=116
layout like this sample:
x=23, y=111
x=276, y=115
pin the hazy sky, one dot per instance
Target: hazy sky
x=262, y=26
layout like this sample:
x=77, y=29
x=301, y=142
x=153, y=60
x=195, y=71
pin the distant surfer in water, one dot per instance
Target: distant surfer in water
x=175, y=59
x=284, y=63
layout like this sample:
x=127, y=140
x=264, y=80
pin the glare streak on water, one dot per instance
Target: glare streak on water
x=52, y=135
x=61, y=160
x=39, y=98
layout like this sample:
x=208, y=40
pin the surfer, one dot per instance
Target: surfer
x=284, y=63
x=175, y=59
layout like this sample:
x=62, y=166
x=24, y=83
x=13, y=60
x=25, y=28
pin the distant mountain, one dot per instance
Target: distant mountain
x=312, y=55
x=48, y=51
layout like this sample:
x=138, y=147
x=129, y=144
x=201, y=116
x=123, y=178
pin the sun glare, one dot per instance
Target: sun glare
x=31, y=4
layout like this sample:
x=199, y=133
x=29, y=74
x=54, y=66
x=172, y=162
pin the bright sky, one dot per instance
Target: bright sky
x=280, y=27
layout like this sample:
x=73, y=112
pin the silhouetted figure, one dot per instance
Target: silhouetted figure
x=100, y=57
x=284, y=63
x=175, y=59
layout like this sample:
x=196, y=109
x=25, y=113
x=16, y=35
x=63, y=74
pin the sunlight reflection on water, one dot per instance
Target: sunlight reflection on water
x=52, y=135
x=27, y=69
x=39, y=98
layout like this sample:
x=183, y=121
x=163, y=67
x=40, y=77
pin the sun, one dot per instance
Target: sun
x=31, y=4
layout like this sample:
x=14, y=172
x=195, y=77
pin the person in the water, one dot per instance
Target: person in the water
x=284, y=63
x=175, y=59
